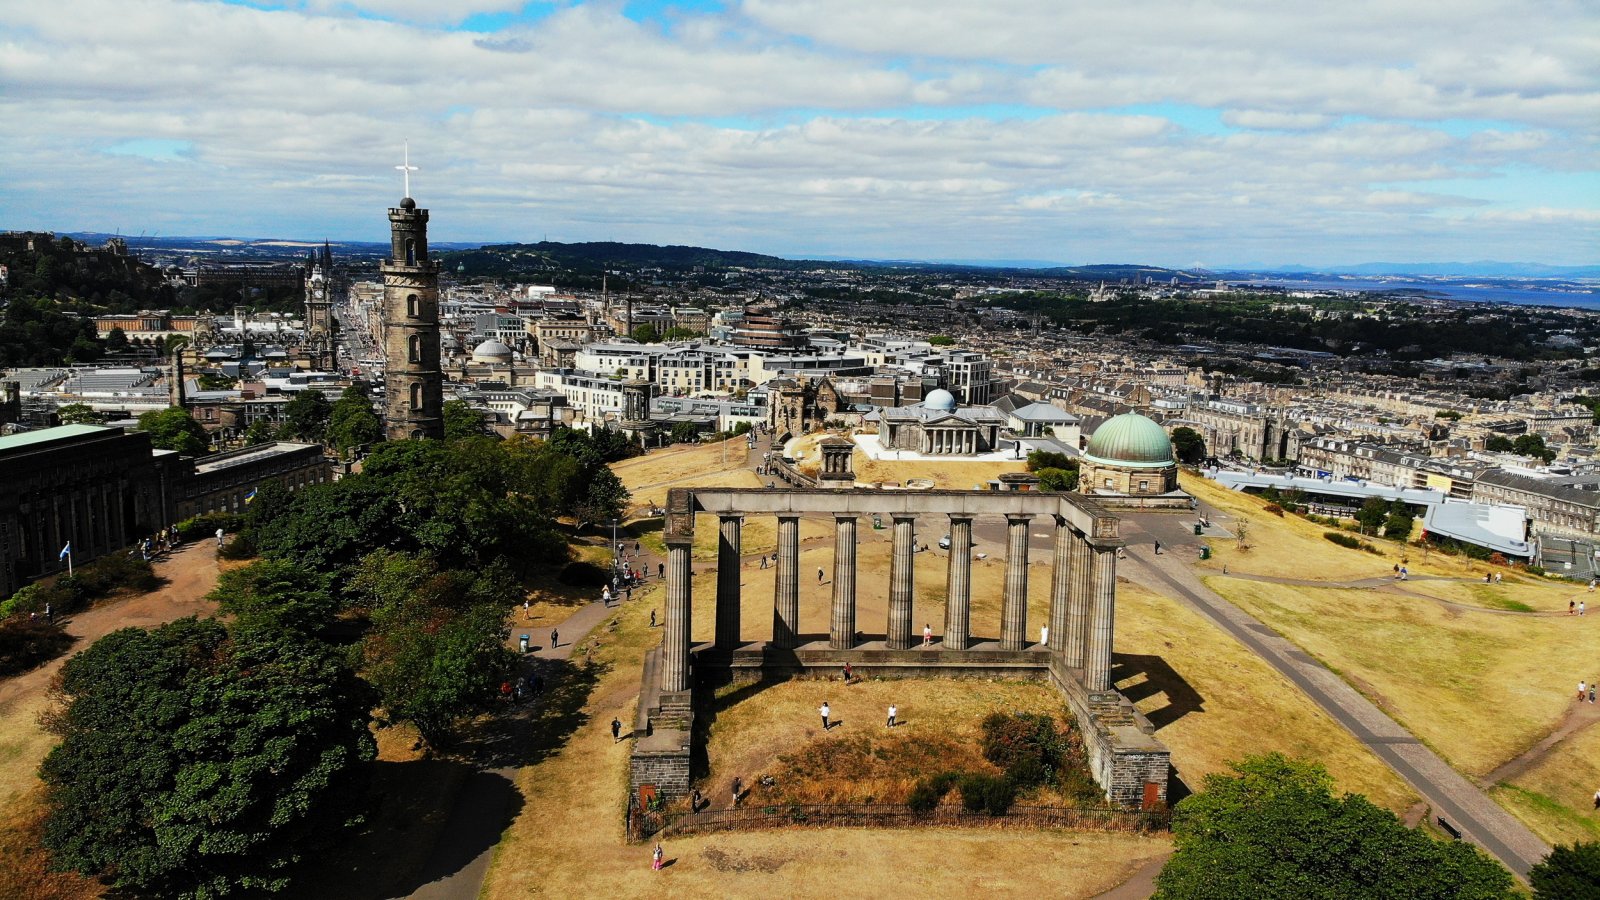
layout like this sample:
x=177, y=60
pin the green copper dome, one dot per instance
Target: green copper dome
x=1132, y=441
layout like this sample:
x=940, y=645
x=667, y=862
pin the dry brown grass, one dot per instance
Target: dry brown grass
x=1439, y=670
x=23, y=863
x=1556, y=796
x=940, y=731
x=1215, y=701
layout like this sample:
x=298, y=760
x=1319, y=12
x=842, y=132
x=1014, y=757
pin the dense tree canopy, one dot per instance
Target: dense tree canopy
x=1272, y=829
x=352, y=423
x=38, y=333
x=305, y=418
x=1570, y=872
x=197, y=761
x=174, y=429
x=1188, y=444
x=462, y=421
x=78, y=414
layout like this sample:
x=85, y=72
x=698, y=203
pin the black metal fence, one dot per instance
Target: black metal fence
x=643, y=823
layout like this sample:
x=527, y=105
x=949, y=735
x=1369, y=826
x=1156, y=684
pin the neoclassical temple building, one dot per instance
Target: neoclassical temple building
x=1128, y=456
x=938, y=427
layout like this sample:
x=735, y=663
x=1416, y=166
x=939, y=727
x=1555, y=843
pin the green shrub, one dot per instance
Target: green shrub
x=1273, y=508
x=25, y=643
x=1027, y=772
x=243, y=546
x=986, y=793
x=113, y=573
x=928, y=792
x=205, y=526
x=1343, y=540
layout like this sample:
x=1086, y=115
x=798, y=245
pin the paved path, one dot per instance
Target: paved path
x=1141, y=885
x=484, y=807
x=1479, y=819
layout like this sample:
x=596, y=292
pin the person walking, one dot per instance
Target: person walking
x=527, y=610
x=555, y=638
x=738, y=789
x=1572, y=607
x=661, y=570
x=656, y=855
x=825, y=710
x=1158, y=547
x=652, y=618
x=893, y=710
x=219, y=547
x=605, y=596
x=927, y=635
x=1580, y=690
x=49, y=614
x=1591, y=691
x=616, y=730
x=1044, y=635
x=849, y=673
x=819, y=574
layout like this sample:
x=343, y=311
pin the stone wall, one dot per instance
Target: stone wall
x=1120, y=742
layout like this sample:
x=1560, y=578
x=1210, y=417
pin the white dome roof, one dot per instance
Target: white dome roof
x=491, y=352
x=940, y=399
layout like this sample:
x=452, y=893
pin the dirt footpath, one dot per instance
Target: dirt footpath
x=191, y=573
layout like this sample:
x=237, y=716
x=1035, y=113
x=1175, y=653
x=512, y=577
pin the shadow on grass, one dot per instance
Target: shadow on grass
x=707, y=706
x=1159, y=678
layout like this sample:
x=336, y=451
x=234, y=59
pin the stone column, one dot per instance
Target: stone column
x=675, y=642
x=1014, y=608
x=900, y=581
x=1097, y=662
x=1079, y=587
x=786, y=597
x=1060, y=585
x=843, y=626
x=729, y=560
x=958, y=586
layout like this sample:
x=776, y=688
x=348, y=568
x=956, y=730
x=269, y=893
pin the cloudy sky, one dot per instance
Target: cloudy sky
x=1174, y=132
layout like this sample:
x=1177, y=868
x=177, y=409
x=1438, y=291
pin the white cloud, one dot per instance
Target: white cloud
x=763, y=128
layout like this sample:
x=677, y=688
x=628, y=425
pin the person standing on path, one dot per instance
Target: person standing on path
x=1580, y=691
x=219, y=547
x=555, y=638
x=892, y=711
x=527, y=610
x=616, y=730
x=825, y=710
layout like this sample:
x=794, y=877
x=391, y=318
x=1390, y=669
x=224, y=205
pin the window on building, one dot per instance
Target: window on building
x=1144, y=486
x=411, y=253
x=415, y=354
x=411, y=306
x=416, y=397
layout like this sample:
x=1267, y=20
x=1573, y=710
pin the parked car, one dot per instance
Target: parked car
x=944, y=542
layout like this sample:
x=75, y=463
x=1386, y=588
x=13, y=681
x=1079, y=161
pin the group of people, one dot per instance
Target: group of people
x=1586, y=690
x=891, y=721
x=162, y=541
x=1575, y=607
x=518, y=689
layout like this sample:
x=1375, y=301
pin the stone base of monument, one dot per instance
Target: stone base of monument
x=1128, y=762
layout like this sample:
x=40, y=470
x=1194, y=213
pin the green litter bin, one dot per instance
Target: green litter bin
x=1197, y=529
x=1205, y=552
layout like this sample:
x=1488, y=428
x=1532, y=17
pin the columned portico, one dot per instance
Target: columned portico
x=1014, y=609
x=786, y=599
x=900, y=581
x=842, y=631
x=958, y=585
x=675, y=643
x=1125, y=757
x=729, y=563
x=1097, y=661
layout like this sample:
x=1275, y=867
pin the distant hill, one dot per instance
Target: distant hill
x=596, y=256
x=1480, y=269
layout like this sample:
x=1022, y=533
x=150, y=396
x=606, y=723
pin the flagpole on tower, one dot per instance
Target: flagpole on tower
x=406, y=168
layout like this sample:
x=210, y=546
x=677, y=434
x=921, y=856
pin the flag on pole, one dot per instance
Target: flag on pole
x=250, y=496
x=66, y=551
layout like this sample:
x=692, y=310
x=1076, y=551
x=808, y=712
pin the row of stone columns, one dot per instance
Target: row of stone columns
x=1082, y=593
x=950, y=441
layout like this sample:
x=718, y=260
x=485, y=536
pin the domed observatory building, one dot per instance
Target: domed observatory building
x=938, y=427
x=1130, y=458
x=491, y=353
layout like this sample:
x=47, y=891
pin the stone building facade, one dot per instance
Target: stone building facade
x=413, y=381
x=1558, y=507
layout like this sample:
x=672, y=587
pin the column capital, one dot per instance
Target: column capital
x=1016, y=517
x=846, y=516
x=903, y=516
x=675, y=541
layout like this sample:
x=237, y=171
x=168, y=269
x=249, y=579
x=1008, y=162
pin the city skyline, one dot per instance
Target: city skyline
x=1182, y=136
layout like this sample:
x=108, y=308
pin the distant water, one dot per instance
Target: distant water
x=1480, y=294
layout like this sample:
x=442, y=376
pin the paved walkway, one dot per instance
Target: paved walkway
x=1479, y=819
x=1141, y=885
x=484, y=803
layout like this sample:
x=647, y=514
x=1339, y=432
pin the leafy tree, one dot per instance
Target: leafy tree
x=1372, y=515
x=941, y=340
x=276, y=594
x=1047, y=459
x=685, y=432
x=174, y=429
x=1532, y=445
x=1570, y=872
x=305, y=418
x=196, y=761
x=259, y=432
x=1053, y=479
x=77, y=414
x=35, y=332
x=461, y=420
x=1188, y=444
x=1398, y=526
x=352, y=423
x=1273, y=829
x=213, y=382
x=679, y=333
x=1498, y=443
x=117, y=341
x=646, y=334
